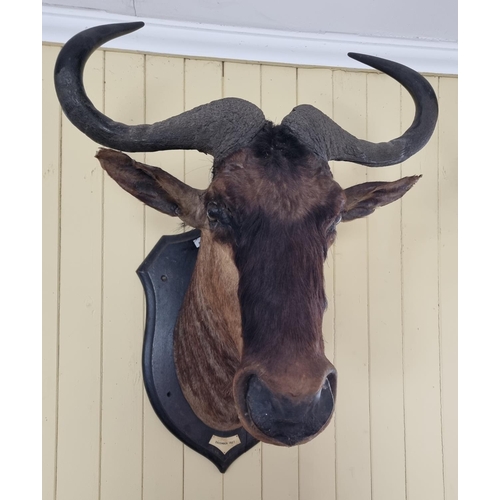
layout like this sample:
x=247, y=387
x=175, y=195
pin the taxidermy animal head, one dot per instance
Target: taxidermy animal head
x=248, y=342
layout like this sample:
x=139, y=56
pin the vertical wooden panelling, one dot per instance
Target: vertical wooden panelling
x=394, y=434
x=242, y=481
x=279, y=91
x=163, y=452
x=50, y=270
x=353, y=468
x=242, y=80
x=448, y=267
x=279, y=464
x=317, y=477
x=420, y=321
x=384, y=304
x=203, y=83
x=80, y=306
x=123, y=247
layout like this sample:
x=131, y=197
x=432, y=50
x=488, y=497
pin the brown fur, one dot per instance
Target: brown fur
x=279, y=195
x=208, y=342
x=291, y=360
x=255, y=304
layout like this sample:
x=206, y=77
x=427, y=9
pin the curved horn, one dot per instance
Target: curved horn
x=216, y=128
x=332, y=142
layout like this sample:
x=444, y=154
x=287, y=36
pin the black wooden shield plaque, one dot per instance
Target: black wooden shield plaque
x=165, y=275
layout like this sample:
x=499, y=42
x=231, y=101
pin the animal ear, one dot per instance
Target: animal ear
x=363, y=199
x=155, y=187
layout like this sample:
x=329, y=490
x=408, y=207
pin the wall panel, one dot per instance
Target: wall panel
x=384, y=305
x=448, y=286
x=123, y=312
x=420, y=323
x=317, y=458
x=244, y=481
x=80, y=338
x=163, y=462
x=279, y=464
x=203, y=83
x=50, y=272
x=390, y=279
x=353, y=452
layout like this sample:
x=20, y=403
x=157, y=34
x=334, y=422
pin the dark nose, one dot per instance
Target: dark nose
x=289, y=422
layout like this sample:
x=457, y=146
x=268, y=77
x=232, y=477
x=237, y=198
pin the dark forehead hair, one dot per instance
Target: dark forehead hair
x=277, y=148
x=276, y=142
x=280, y=264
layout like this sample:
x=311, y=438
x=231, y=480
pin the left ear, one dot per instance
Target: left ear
x=155, y=187
x=363, y=199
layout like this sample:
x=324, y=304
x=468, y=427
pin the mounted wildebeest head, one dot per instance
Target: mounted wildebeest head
x=248, y=341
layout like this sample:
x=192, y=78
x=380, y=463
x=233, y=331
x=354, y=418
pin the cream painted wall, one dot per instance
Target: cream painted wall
x=391, y=280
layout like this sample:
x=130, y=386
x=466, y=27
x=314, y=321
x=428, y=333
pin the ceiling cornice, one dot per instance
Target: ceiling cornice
x=256, y=45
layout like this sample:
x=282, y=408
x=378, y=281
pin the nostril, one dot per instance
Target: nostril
x=260, y=400
x=325, y=399
x=325, y=387
x=332, y=380
x=288, y=421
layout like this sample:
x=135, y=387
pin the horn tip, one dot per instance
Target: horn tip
x=363, y=58
x=354, y=55
x=131, y=27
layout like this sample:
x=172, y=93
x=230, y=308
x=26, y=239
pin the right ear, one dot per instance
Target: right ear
x=363, y=199
x=155, y=187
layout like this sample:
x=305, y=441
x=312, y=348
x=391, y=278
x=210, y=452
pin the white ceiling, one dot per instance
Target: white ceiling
x=411, y=19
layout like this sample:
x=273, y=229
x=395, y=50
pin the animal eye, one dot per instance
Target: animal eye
x=333, y=225
x=218, y=215
x=212, y=212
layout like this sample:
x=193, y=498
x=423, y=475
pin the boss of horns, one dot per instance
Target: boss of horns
x=248, y=340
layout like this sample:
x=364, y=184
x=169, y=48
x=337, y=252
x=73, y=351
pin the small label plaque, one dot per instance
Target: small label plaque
x=224, y=444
